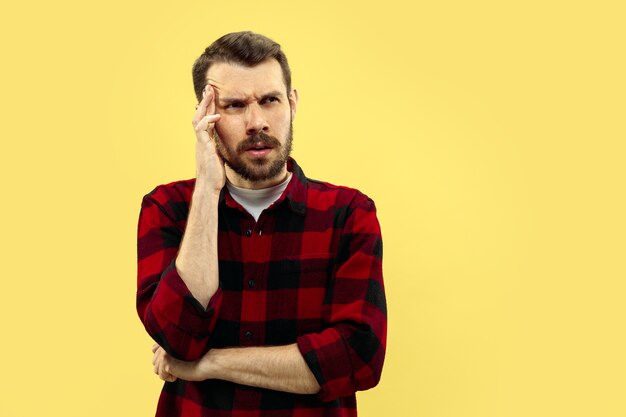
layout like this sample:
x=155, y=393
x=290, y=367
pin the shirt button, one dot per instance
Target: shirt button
x=251, y=283
x=248, y=335
x=248, y=232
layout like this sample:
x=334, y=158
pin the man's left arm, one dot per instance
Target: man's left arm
x=280, y=368
x=347, y=356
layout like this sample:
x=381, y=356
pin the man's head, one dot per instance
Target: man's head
x=251, y=80
x=242, y=48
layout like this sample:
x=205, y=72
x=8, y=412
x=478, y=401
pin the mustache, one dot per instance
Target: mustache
x=262, y=138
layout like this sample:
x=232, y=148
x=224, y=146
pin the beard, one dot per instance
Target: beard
x=259, y=169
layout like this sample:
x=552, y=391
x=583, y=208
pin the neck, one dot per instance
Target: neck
x=240, y=182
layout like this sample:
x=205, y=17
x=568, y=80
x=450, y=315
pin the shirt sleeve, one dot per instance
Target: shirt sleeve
x=348, y=355
x=166, y=307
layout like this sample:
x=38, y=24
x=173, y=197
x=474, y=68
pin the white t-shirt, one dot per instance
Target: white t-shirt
x=255, y=201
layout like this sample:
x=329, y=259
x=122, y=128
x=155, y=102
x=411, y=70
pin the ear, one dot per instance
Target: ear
x=293, y=102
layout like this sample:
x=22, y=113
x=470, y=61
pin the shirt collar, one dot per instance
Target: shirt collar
x=295, y=193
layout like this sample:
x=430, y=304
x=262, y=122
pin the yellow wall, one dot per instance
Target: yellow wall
x=490, y=134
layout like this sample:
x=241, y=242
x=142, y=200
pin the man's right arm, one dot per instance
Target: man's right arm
x=166, y=306
x=197, y=262
x=197, y=259
x=178, y=282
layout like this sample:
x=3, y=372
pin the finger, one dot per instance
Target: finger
x=156, y=358
x=209, y=118
x=164, y=373
x=155, y=347
x=201, y=107
x=205, y=105
x=206, y=123
x=164, y=376
x=159, y=368
x=169, y=378
x=211, y=105
x=157, y=354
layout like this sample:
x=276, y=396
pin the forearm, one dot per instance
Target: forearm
x=197, y=262
x=280, y=368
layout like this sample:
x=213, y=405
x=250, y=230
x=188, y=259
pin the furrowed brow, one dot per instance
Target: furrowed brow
x=274, y=93
x=224, y=101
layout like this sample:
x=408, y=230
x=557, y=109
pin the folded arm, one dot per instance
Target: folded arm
x=348, y=355
x=279, y=368
x=178, y=305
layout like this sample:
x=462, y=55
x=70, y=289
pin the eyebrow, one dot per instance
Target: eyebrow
x=231, y=100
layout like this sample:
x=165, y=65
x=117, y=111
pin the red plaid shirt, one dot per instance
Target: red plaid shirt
x=308, y=272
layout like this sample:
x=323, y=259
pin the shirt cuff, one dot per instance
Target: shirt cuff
x=328, y=359
x=174, y=302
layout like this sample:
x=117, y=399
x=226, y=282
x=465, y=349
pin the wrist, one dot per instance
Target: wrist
x=207, y=365
x=204, y=189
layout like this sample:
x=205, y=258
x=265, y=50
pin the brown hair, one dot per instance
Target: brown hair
x=243, y=48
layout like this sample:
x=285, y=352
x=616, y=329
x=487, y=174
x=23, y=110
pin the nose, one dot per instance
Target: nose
x=256, y=121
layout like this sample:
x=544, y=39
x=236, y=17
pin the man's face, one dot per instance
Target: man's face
x=255, y=128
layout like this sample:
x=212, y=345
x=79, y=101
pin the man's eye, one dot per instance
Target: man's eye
x=269, y=100
x=234, y=105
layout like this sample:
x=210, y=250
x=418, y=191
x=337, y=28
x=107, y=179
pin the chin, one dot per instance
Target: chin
x=261, y=169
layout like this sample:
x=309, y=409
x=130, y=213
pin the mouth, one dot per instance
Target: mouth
x=258, y=146
x=258, y=150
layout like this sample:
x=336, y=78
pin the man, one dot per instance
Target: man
x=262, y=288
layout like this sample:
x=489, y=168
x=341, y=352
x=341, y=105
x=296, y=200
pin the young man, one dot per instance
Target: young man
x=262, y=288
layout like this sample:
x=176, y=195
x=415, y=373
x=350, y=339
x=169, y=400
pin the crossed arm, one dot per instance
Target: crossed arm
x=280, y=368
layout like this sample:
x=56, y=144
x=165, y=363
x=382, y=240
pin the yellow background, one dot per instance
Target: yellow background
x=489, y=133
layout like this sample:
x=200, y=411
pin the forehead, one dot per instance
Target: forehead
x=236, y=80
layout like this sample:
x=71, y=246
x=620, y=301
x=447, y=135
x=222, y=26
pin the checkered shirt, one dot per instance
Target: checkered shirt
x=308, y=272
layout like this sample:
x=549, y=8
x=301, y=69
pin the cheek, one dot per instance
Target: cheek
x=228, y=128
x=282, y=120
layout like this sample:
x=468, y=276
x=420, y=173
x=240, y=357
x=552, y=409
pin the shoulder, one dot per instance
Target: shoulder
x=176, y=192
x=170, y=200
x=324, y=196
x=353, y=213
x=321, y=192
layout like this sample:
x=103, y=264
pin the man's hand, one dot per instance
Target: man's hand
x=209, y=164
x=160, y=361
x=169, y=369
